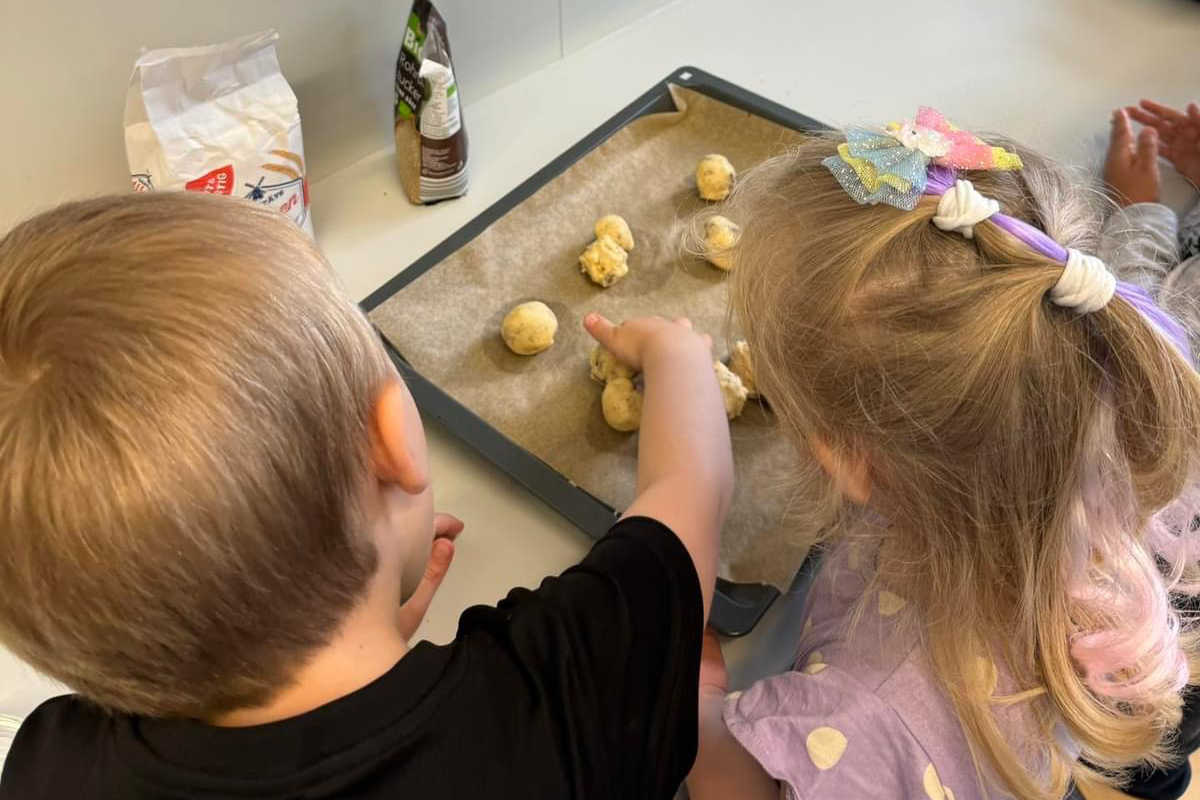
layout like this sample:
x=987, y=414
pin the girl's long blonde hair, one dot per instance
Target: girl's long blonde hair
x=1035, y=465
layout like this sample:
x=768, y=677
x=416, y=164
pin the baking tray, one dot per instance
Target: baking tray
x=737, y=606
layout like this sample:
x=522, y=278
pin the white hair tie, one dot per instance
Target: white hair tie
x=1085, y=285
x=962, y=207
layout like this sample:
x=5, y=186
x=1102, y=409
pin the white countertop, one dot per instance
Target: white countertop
x=1047, y=72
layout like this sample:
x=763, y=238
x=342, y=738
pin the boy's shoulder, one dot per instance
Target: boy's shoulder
x=55, y=749
x=583, y=687
x=68, y=718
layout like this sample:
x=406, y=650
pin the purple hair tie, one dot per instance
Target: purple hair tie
x=941, y=179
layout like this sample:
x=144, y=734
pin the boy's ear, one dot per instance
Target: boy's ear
x=850, y=471
x=397, y=455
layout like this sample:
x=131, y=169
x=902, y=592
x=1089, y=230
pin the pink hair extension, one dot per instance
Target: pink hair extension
x=1170, y=535
x=1127, y=646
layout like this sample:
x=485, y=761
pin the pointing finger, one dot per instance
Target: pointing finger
x=601, y=329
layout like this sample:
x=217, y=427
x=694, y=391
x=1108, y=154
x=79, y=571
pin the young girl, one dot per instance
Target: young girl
x=1011, y=436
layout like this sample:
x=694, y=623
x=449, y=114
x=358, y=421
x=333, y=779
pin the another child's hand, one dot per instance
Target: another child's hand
x=1178, y=134
x=637, y=341
x=1131, y=168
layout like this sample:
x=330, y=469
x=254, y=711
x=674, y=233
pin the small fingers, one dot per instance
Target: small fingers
x=413, y=611
x=684, y=321
x=1164, y=112
x=1193, y=113
x=446, y=526
x=440, y=556
x=601, y=329
x=1147, y=146
x=1122, y=134
x=1166, y=130
x=1143, y=116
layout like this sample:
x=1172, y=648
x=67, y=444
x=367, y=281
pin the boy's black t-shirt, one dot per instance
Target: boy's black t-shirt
x=584, y=688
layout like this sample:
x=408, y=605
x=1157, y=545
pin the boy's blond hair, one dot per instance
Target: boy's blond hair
x=185, y=411
x=1021, y=452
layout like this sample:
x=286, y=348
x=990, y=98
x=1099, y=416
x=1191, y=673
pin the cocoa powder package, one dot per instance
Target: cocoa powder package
x=431, y=143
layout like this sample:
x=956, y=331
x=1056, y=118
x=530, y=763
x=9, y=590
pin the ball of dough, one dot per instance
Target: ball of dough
x=615, y=227
x=714, y=177
x=732, y=390
x=529, y=328
x=720, y=235
x=606, y=367
x=604, y=261
x=741, y=365
x=622, y=405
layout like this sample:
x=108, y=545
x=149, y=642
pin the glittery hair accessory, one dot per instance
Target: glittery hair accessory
x=890, y=165
x=905, y=160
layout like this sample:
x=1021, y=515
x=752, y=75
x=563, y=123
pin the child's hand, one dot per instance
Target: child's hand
x=639, y=340
x=685, y=460
x=1131, y=170
x=446, y=529
x=1178, y=134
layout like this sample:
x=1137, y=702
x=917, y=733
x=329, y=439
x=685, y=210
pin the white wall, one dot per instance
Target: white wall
x=66, y=67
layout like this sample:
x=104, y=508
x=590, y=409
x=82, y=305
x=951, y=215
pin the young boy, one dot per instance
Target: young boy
x=216, y=501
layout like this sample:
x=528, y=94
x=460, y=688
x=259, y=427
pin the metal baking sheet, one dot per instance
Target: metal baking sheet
x=524, y=246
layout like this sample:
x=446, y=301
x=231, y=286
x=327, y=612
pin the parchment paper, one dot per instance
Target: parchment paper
x=447, y=322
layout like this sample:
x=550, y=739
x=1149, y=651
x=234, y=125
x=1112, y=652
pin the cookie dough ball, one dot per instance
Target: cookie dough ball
x=714, y=177
x=622, y=405
x=732, y=390
x=606, y=367
x=741, y=365
x=720, y=235
x=615, y=227
x=529, y=328
x=604, y=261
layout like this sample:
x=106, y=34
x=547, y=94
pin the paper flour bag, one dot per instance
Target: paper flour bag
x=219, y=119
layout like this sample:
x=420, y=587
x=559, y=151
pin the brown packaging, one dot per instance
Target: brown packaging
x=431, y=143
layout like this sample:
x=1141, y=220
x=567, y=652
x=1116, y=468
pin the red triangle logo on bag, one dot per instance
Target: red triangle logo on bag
x=219, y=181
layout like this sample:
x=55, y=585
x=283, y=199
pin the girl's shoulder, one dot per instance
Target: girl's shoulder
x=824, y=733
x=860, y=714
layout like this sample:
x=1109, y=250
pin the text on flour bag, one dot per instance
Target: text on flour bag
x=219, y=119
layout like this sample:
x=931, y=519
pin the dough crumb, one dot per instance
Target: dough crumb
x=529, y=328
x=606, y=367
x=622, y=405
x=720, y=236
x=732, y=390
x=604, y=261
x=714, y=177
x=615, y=227
x=741, y=365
